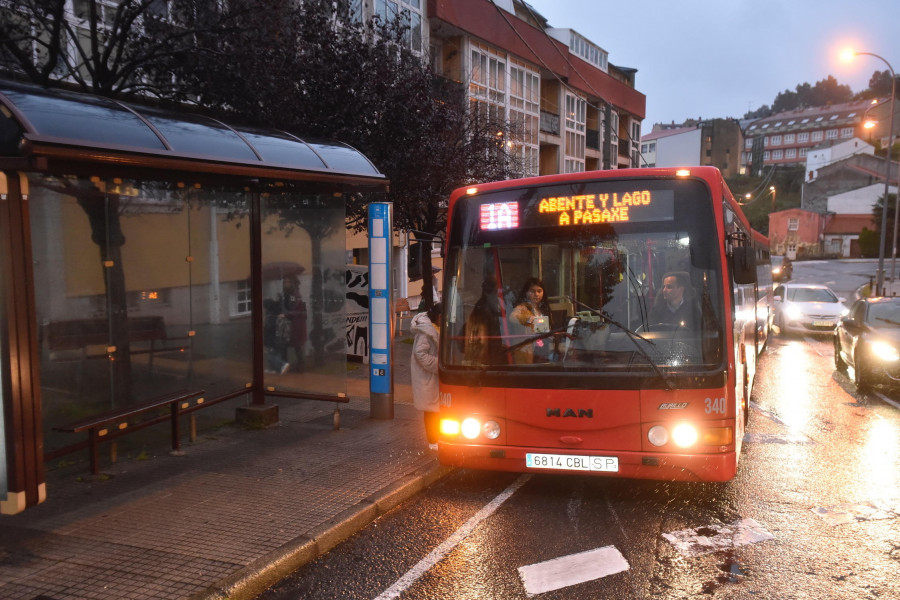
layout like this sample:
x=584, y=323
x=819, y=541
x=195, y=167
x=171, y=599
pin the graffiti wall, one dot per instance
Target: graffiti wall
x=356, y=309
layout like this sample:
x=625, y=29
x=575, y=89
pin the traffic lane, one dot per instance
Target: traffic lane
x=375, y=558
x=555, y=517
x=788, y=472
x=831, y=459
x=549, y=517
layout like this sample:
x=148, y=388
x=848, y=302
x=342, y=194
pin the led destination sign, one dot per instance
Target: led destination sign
x=579, y=210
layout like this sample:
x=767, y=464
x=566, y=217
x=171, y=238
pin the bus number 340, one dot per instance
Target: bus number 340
x=718, y=406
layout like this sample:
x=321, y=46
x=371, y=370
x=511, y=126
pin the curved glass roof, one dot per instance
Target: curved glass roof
x=59, y=117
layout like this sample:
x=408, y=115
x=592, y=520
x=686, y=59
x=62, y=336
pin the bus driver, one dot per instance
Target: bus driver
x=676, y=307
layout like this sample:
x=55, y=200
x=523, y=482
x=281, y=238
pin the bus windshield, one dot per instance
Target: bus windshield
x=635, y=292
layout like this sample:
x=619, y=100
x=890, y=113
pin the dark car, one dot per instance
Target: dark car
x=782, y=268
x=868, y=341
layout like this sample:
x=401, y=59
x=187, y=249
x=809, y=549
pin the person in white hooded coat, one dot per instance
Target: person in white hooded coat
x=424, y=369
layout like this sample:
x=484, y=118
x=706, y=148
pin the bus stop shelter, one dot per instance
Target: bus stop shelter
x=140, y=247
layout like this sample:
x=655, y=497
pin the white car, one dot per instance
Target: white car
x=807, y=308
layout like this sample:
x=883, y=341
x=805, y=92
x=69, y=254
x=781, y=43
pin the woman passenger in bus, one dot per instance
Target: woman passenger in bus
x=482, y=335
x=532, y=315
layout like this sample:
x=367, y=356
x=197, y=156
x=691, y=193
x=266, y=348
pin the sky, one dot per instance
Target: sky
x=721, y=58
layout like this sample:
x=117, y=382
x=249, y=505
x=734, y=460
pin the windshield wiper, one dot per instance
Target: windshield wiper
x=632, y=335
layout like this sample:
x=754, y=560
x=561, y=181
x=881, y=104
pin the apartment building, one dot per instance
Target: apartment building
x=570, y=108
x=785, y=139
x=713, y=142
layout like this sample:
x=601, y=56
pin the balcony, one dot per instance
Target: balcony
x=549, y=123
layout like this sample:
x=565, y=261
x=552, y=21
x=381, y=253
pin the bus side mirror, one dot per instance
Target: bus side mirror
x=743, y=264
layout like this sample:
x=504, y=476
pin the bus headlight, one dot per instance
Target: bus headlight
x=658, y=435
x=449, y=427
x=684, y=435
x=491, y=430
x=471, y=428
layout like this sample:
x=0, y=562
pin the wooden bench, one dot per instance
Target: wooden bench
x=81, y=339
x=114, y=423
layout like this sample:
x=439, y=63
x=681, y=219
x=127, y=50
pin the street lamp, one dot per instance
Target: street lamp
x=848, y=55
x=772, y=189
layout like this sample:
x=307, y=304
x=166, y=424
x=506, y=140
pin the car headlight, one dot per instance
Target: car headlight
x=884, y=351
x=793, y=312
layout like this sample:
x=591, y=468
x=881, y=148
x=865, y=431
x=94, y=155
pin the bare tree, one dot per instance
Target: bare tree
x=132, y=47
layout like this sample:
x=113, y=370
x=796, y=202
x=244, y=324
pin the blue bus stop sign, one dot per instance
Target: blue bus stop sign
x=381, y=332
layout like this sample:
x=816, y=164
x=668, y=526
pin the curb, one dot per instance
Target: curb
x=252, y=580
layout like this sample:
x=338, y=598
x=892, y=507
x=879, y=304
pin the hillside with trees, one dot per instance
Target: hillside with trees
x=824, y=92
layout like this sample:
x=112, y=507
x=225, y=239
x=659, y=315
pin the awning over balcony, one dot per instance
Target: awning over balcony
x=57, y=125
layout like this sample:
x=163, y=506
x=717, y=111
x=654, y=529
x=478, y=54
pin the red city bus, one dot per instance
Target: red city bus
x=598, y=379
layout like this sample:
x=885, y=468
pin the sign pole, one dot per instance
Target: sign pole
x=381, y=302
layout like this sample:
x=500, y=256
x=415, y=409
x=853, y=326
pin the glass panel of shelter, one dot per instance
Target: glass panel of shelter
x=304, y=279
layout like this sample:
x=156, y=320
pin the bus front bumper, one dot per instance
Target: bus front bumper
x=636, y=465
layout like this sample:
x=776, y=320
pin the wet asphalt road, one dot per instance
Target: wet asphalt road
x=814, y=512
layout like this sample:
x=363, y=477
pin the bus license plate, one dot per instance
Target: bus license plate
x=571, y=462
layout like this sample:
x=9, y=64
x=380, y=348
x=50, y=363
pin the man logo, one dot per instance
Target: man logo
x=583, y=413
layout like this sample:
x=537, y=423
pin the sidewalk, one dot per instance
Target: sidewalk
x=240, y=511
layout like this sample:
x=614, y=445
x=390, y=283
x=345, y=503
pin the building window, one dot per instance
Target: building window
x=776, y=140
x=777, y=154
x=525, y=115
x=804, y=152
x=242, y=301
x=487, y=84
x=790, y=153
x=817, y=136
x=407, y=12
x=847, y=132
x=803, y=138
x=748, y=143
x=576, y=120
x=793, y=224
x=789, y=138
x=831, y=134
x=766, y=155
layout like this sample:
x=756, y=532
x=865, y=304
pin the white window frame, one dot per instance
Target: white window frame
x=525, y=114
x=574, y=137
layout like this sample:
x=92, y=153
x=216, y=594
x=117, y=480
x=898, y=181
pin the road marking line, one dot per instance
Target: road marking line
x=714, y=538
x=888, y=400
x=855, y=512
x=436, y=555
x=775, y=438
x=767, y=413
x=569, y=570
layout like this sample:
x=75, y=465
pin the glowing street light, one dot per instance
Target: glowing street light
x=848, y=55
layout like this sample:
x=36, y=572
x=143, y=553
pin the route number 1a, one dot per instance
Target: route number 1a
x=718, y=406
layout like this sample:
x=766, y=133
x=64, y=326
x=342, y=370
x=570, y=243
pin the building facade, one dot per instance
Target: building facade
x=568, y=107
x=785, y=139
x=716, y=142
